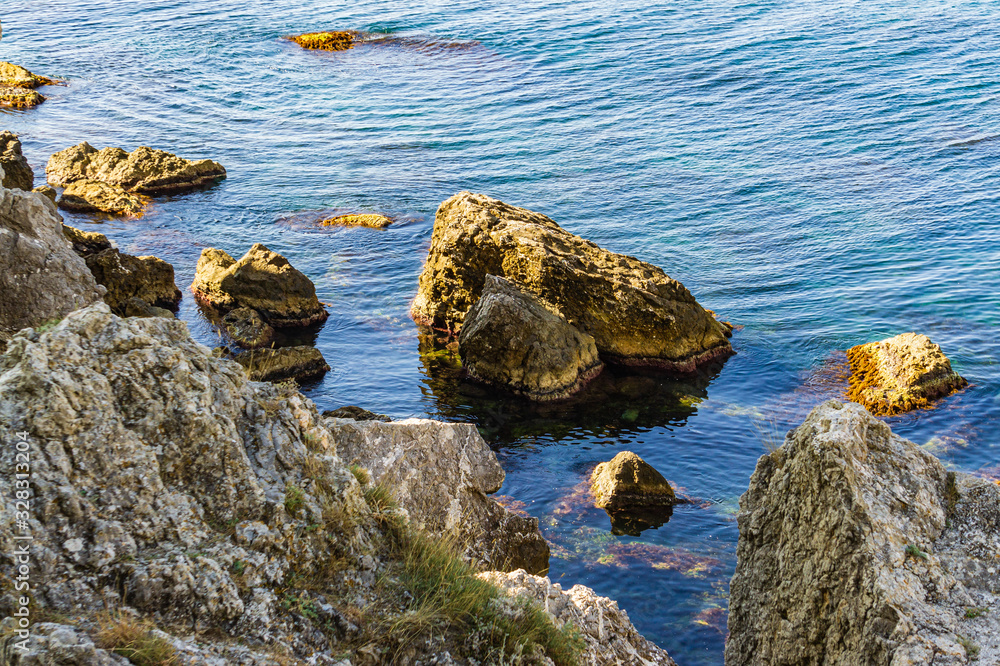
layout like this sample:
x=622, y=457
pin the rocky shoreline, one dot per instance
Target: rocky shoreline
x=198, y=500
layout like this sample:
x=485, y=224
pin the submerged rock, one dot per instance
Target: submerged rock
x=17, y=171
x=144, y=170
x=610, y=637
x=858, y=547
x=441, y=474
x=275, y=365
x=86, y=243
x=363, y=220
x=247, y=329
x=41, y=278
x=355, y=413
x=327, y=41
x=94, y=196
x=635, y=312
x=515, y=340
x=263, y=281
x=125, y=277
x=900, y=374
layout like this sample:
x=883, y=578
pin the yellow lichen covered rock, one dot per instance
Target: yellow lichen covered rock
x=626, y=482
x=900, y=374
x=17, y=86
x=340, y=40
x=372, y=220
x=93, y=196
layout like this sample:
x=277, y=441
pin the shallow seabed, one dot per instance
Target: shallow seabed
x=821, y=174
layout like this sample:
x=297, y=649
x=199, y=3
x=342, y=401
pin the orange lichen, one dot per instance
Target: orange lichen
x=358, y=220
x=326, y=41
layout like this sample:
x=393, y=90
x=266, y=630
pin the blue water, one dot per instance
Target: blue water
x=820, y=174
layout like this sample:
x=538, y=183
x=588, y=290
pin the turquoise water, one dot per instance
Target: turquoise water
x=820, y=175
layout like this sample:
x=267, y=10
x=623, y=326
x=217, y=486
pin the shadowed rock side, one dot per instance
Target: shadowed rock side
x=169, y=486
x=41, y=278
x=144, y=170
x=514, y=340
x=858, y=547
x=17, y=171
x=247, y=328
x=355, y=413
x=274, y=365
x=126, y=277
x=900, y=374
x=263, y=281
x=635, y=312
x=424, y=463
x=86, y=243
x=93, y=196
x=605, y=628
x=17, y=87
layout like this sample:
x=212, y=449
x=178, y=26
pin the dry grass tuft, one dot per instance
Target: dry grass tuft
x=134, y=640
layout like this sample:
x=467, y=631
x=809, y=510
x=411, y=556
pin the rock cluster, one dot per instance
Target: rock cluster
x=263, y=281
x=636, y=314
x=170, y=487
x=513, y=339
x=42, y=278
x=144, y=170
x=858, y=547
x=900, y=374
x=440, y=474
x=17, y=171
x=17, y=86
x=608, y=633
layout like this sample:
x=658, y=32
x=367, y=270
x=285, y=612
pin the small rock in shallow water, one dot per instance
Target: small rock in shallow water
x=144, y=170
x=247, y=329
x=326, y=41
x=900, y=374
x=125, y=277
x=513, y=339
x=629, y=482
x=364, y=220
x=275, y=365
x=86, y=243
x=16, y=76
x=356, y=414
x=263, y=281
x=94, y=196
x=17, y=171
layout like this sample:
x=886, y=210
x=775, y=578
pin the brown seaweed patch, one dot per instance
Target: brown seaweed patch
x=512, y=505
x=664, y=558
x=989, y=473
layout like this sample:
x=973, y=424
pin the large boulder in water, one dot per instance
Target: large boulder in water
x=17, y=171
x=93, y=196
x=859, y=547
x=125, y=277
x=441, y=473
x=636, y=313
x=263, y=281
x=41, y=278
x=144, y=170
x=899, y=374
x=513, y=339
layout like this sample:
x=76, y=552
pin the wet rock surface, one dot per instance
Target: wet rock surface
x=606, y=629
x=93, y=196
x=275, y=365
x=441, y=474
x=144, y=170
x=513, y=339
x=247, y=328
x=41, y=278
x=858, y=547
x=355, y=413
x=900, y=374
x=126, y=277
x=261, y=280
x=17, y=171
x=635, y=312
